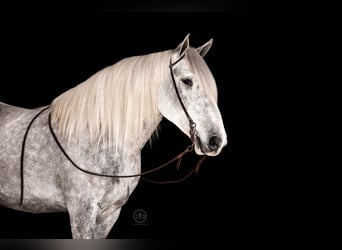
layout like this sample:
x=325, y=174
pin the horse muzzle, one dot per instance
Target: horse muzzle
x=212, y=147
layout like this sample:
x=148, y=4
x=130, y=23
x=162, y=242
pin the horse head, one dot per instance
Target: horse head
x=189, y=98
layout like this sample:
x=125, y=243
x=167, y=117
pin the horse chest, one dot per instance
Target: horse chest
x=118, y=193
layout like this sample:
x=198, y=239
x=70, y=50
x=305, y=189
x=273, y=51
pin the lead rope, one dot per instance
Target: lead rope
x=177, y=158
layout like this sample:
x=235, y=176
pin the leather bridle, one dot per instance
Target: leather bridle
x=178, y=158
x=192, y=124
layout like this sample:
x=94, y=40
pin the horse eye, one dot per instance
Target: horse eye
x=187, y=81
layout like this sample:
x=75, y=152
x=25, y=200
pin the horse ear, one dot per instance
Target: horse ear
x=203, y=50
x=182, y=47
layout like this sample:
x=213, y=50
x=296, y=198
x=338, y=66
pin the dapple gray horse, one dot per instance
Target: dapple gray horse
x=101, y=126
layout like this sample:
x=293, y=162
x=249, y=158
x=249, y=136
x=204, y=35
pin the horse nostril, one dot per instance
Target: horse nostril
x=214, y=143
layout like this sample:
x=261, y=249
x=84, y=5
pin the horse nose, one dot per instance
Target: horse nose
x=214, y=143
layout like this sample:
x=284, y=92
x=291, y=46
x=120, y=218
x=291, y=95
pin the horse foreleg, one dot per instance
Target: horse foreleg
x=105, y=222
x=83, y=222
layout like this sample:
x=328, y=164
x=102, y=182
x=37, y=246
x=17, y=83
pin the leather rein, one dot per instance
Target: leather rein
x=178, y=158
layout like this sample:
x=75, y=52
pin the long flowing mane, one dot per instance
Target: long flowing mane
x=113, y=103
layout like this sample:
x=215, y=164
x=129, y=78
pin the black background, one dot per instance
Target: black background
x=47, y=49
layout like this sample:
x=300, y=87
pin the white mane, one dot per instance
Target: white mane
x=113, y=103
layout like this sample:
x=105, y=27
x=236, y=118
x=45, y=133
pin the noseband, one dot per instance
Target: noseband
x=178, y=158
